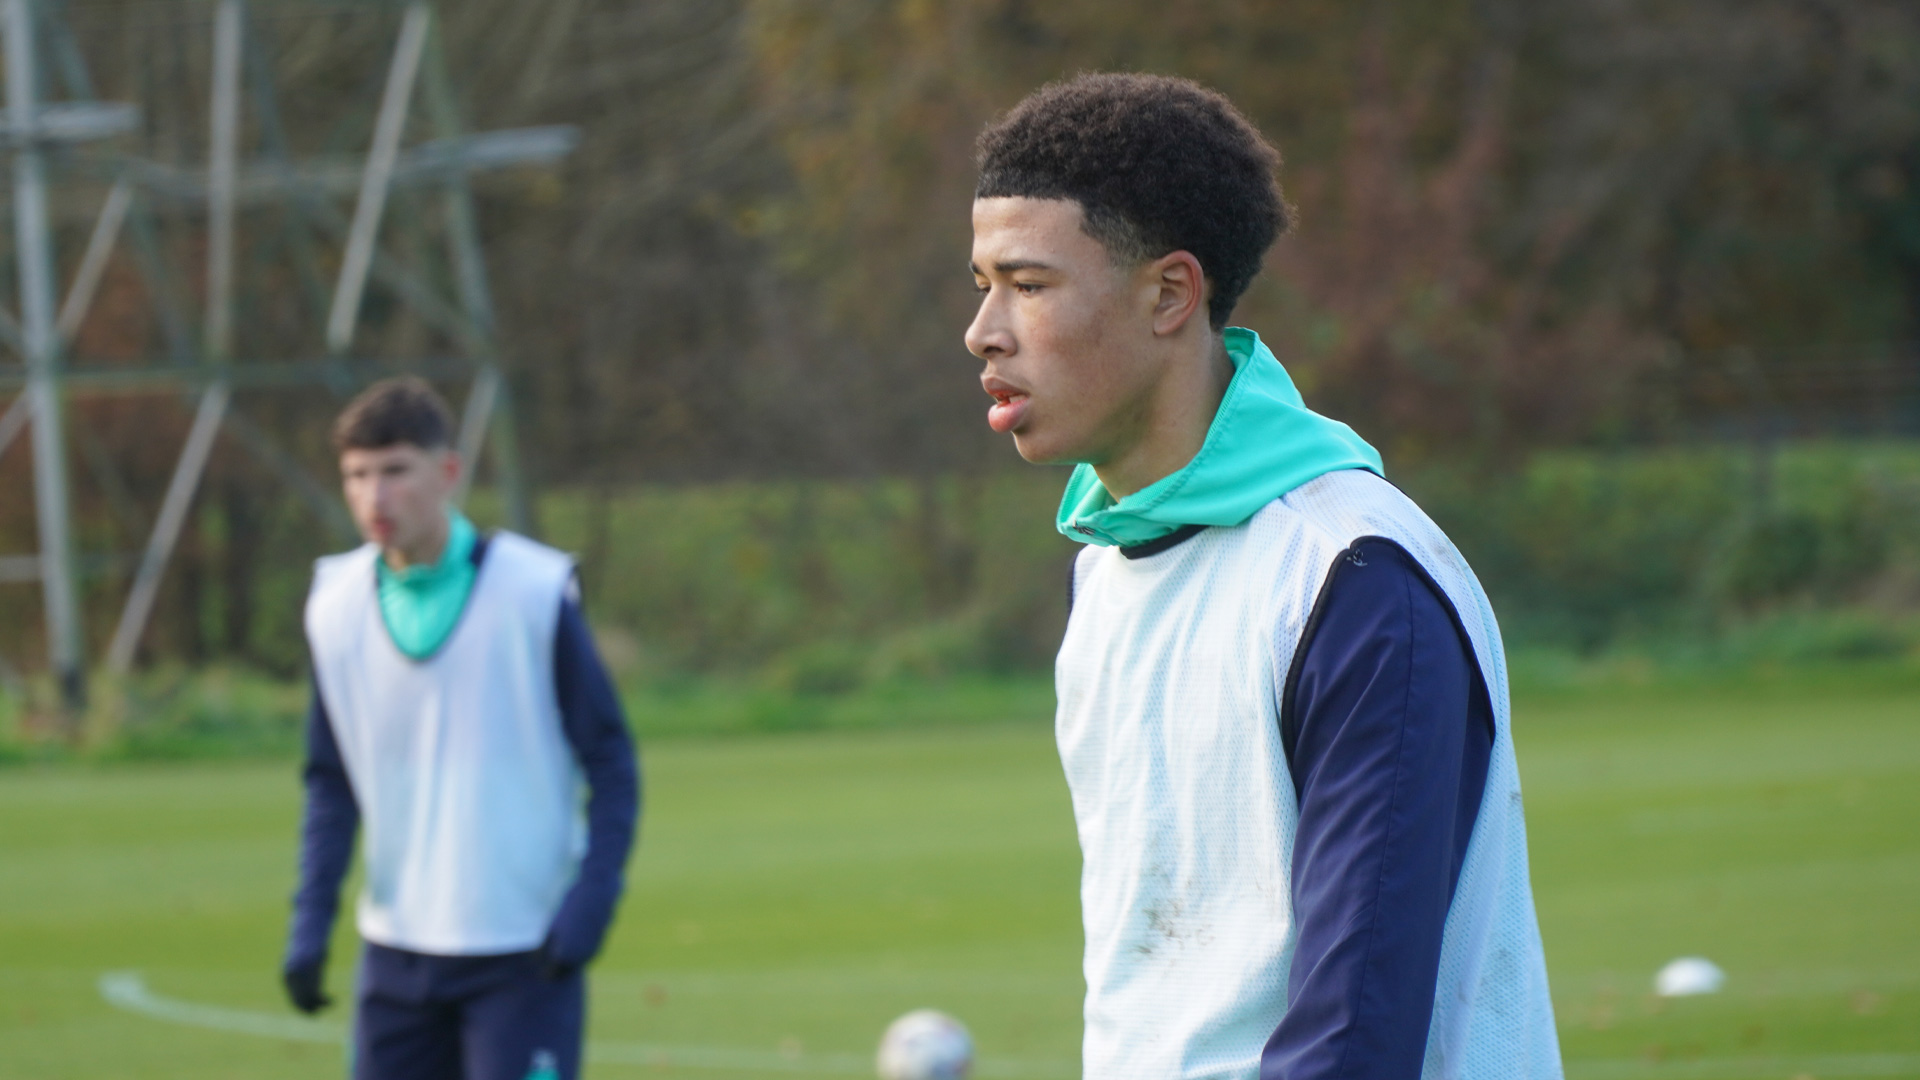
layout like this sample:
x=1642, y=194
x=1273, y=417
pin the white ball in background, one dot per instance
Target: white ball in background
x=926, y=1044
x=1687, y=976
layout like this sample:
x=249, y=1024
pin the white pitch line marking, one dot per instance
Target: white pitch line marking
x=127, y=990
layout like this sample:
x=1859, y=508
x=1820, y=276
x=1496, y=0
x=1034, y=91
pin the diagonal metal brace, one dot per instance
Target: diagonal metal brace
x=166, y=530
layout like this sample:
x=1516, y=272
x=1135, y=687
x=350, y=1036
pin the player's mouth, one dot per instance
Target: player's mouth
x=1009, y=408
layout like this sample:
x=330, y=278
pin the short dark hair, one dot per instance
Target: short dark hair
x=1157, y=164
x=391, y=412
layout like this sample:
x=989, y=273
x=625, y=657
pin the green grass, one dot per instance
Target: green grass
x=795, y=891
x=1771, y=829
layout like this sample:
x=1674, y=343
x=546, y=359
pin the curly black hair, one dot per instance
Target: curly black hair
x=1157, y=164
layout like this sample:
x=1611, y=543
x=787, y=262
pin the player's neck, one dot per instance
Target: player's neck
x=1178, y=412
x=424, y=551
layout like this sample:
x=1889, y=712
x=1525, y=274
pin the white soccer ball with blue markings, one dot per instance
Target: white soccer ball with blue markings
x=926, y=1044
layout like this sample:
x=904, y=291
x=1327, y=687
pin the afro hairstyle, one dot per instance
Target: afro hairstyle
x=1157, y=164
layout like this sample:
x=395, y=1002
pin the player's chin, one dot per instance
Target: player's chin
x=1041, y=447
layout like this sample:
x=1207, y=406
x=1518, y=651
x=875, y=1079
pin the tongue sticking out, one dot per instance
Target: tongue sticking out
x=1007, y=413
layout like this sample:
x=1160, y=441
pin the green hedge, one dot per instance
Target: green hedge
x=772, y=606
x=1695, y=547
x=819, y=587
x=1810, y=551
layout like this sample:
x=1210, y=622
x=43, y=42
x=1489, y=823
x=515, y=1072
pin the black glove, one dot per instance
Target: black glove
x=303, y=988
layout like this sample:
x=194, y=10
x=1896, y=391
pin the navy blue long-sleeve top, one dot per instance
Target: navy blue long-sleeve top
x=595, y=727
x=1388, y=728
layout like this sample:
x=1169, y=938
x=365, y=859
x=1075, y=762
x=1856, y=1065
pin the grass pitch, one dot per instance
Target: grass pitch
x=793, y=893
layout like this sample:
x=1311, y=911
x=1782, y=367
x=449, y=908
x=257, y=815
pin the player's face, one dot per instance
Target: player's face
x=1067, y=335
x=398, y=495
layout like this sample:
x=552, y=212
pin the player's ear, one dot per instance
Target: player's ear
x=1181, y=290
x=450, y=466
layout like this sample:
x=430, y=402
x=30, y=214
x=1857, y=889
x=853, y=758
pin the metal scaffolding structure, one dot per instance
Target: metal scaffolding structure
x=42, y=134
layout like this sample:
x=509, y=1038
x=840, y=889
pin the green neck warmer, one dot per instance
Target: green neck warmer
x=421, y=604
x=1263, y=443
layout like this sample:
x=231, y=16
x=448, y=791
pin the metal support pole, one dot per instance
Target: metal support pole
x=93, y=265
x=34, y=244
x=161, y=286
x=14, y=420
x=222, y=172
x=365, y=231
x=489, y=409
x=166, y=529
x=473, y=427
x=222, y=169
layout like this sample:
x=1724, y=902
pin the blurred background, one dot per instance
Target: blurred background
x=1627, y=293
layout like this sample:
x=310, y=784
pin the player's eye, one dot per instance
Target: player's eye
x=1028, y=288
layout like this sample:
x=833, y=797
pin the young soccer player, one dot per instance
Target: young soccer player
x=1282, y=697
x=458, y=707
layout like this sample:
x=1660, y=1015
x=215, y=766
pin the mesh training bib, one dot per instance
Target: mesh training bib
x=469, y=793
x=1169, y=680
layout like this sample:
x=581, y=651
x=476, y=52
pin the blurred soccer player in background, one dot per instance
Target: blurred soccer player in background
x=1282, y=695
x=459, y=709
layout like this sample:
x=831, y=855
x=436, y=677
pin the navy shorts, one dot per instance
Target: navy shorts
x=465, y=1018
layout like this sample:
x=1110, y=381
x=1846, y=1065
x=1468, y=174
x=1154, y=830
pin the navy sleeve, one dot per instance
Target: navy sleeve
x=1388, y=728
x=331, y=819
x=596, y=727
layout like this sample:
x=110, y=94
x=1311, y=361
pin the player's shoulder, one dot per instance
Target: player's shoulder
x=339, y=582
x=1314, y=520
x=329, y=571
x=1353, y=504
x=521, y=547
x=527, y=562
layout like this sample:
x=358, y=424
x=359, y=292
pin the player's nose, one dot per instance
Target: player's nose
x=987, y=336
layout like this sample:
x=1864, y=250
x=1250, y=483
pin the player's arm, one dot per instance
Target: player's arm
x=596, y=727
x=1389, y=730
x=327, y=829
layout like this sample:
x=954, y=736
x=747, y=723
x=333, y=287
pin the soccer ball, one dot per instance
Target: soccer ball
x=926, y=1044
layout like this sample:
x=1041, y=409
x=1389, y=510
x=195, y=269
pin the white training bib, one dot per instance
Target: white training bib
x=468, y=789
x=1170, y=679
